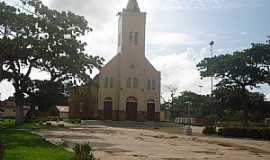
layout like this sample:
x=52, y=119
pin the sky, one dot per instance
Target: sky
x=178, y=33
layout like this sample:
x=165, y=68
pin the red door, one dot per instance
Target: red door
x=131, y=111
x=107, y=110
x=151, y=111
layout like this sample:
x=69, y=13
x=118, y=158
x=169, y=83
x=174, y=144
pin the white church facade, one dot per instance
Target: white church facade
x=129, y=85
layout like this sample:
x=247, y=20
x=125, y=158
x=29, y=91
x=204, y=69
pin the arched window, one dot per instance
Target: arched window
x=135, y=83
x=106, y=82
x=149, y=84
x=129, y=82
x=153, y=84
x=136, y=38
x=119, y=39
x=130, y=37
x=111, y=82
x=107, y=99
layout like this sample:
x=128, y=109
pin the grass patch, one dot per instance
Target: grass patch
x=22, y=145
x=10, y=124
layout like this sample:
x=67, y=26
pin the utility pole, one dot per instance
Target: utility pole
x=212, y=84
x=211, y=54
x=268, y=41
x=189, y=129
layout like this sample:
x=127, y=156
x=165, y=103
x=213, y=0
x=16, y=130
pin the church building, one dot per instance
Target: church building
x=129, y=85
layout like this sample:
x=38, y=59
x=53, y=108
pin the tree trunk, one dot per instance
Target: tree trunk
x=19, y=99
x=19, y=114
x=245, y=101
x=245, y=117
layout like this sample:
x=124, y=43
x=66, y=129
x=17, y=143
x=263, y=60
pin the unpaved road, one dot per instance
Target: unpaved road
x=115, y=143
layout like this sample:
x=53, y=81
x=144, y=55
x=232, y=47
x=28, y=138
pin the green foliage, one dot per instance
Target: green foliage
x=247, y=68
x=237, y=73
x=10, y=124
x=83, y=152
x=241, y=132
x=1, y=150
x=200, y=105
x=34, y=37
x=47, y=94
x=254, y=104
x=73, y=121
x=23, y=145
x=209, y=130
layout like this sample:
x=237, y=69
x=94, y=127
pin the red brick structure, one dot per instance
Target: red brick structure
x=83, y=102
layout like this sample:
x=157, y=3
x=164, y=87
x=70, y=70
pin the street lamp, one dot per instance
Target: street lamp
x=268, y=41
x=211, y=54
x=189, y=129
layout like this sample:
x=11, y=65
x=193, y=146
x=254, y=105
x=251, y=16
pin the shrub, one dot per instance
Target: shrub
x=60, y=125
x=74, y=121
x=83, y=152
x=209, y=130
x=240, y=132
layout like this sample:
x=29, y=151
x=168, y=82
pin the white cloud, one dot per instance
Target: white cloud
x=268, y=97
x=171, y=38
x=243, y=33
x=6, y=90
x=180, y=71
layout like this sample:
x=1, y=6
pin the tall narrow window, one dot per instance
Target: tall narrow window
x=153, y=84
x=111, y=82
x=106, y=82
x=136, y=38
x=135, y=83
x=129, y=82
x=119, y=39
x=130, y=37
x=149, y=84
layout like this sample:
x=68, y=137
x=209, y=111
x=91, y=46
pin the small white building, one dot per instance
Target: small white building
x=63, y=111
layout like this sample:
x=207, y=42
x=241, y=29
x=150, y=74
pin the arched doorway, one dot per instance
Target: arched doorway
x=107, y=108
x=131, y=109
x=151, y=110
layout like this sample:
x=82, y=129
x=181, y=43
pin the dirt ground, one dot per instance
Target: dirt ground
x=125, y=142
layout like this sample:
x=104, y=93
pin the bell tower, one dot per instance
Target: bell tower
x=131, y=30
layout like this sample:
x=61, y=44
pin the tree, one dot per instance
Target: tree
x=256, y=105
x=34, y=37
x=199, y=104
x=240, y=71
x=47, y=94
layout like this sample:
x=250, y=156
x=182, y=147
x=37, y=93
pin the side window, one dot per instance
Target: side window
x=135, y=83
x=119, y=39
x=153, y=84
x=149, y=84
x=129, y=82
x=106, y=82
x=111, y=82
x=130, y=37
x=136, y=38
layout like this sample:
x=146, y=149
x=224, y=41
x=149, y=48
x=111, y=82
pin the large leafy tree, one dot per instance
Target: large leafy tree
x=36, y=38
x=240, y=71
x=230, y=100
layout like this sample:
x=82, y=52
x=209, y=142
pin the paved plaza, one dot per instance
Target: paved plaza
x=123, y=142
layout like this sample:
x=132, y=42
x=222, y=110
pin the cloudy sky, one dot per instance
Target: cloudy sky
x=178, y=33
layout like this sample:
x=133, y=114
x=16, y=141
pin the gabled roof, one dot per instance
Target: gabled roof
x=133, y=6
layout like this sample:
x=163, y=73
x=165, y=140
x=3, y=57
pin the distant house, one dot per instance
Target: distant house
x=63, y=111
x=8, y=109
